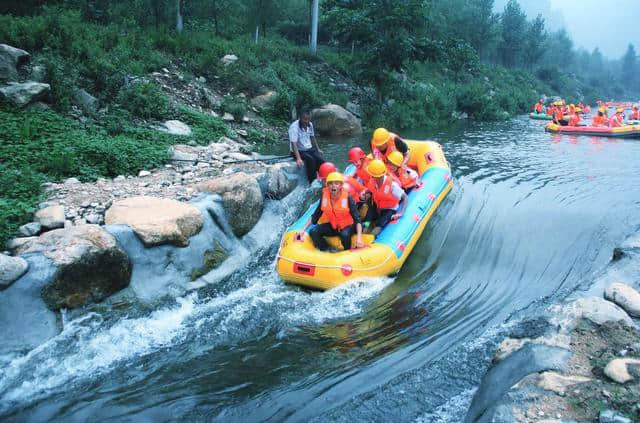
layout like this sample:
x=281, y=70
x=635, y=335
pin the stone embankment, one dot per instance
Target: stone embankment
x=578, y=362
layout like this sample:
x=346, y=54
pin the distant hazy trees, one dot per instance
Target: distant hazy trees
x=630, y=66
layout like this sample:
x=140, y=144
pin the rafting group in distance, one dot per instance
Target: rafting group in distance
x=576, y=120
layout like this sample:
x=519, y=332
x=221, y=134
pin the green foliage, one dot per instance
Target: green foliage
x=206, y=128
x=145, y=100
x=235, y=106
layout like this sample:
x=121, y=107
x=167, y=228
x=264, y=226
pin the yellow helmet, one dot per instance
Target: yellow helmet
x=396, y=158
x=376, y=168
x=577, y=110
x=380, y=137
x=619, y=110
x=571, y=105
x=601, y=109
x=335, y=177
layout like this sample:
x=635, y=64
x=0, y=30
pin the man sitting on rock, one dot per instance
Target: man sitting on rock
x=304, y=147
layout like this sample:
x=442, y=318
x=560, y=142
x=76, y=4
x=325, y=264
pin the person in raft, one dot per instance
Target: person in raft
x=635, y=114
x=304, y=147
x=539, y=106
x=352, y=188
x=388, y=197
x=384, y=143
x=339, y=210
x=599, y=119
x=407, y=177
x=575, y=119
x=617, y=119
x=558, y=115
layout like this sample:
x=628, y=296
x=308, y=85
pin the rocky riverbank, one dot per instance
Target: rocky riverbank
x=159, y=233
x=577, y=362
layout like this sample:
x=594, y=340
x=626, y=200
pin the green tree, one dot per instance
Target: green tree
x=514, y=24
x=629, y=65
x=534, y=42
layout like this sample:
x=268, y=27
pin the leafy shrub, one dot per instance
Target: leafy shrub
x=145, y=100
x=206, y=128
x=236, y=107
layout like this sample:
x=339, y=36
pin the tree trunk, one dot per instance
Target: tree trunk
x=257, y=32
x=314, y=27
x=179, y=23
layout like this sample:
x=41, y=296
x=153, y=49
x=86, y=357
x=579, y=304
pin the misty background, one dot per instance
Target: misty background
x=610, y=25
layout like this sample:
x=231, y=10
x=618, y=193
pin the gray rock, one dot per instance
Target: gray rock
x=30, y=229
x=624, y=296
x=144, y=173
x=334, y=120
x=262, y=102
x=611, y=416
x=11, y=269
x=23, y=93
x=25, y=320
x=276, y=182
x=180, y=152
x=228, y=117
x=89, y=265
x=15, y=245
x=242, y=199
x=88, y=103
x=229, y=59
x=71, y=181
x=618, y=369
x=94, y=219
x=51, y=217
x=175, y=127
x=595, y=309
x=10, y=59
x=531, y=358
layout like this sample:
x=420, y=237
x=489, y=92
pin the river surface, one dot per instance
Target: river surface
x=532, y=219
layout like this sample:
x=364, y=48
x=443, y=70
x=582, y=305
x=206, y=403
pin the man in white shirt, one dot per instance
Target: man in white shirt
x=304, y=147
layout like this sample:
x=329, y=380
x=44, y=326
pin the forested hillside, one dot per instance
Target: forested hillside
x=416, y=63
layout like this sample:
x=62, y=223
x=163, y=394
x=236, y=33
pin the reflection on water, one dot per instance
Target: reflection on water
x=532, y=217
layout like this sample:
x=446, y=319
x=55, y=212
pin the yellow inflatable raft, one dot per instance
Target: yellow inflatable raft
x=299, y=262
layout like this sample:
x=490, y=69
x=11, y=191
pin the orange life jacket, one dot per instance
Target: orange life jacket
x=635, y=115
x=383, y=195
x=550, y=111
x=336, y=212
x=538, y=108
x=406, y=179
x=391, y=147
x=354, y=186
x=575, y=120
x=599, y=120
x=558, y=114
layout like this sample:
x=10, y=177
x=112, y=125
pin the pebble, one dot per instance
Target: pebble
x=94, y=219
x=606, y=393
x=144, y=173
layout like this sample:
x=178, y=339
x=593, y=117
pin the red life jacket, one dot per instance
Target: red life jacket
x=575, y=120
x=538, y=108
x=361, y=172
x=336, y=212
x=391, y=147
x=383, y=195
x=635, y=115
x=550, y=111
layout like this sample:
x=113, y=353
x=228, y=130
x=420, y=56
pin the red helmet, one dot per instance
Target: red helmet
x=356, y=154
x=325, y=169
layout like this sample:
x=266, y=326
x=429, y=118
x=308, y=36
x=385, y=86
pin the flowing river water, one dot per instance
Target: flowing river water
x=532, y=219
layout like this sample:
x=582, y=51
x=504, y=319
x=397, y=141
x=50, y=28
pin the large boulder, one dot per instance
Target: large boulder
x=11, y=268
x=10, y=59
x=625, y=296
x=241, y=197
x=89, y=265
x=618, y=369
x=23, y=93
x=228, y=59
x=279, y=180
x=332, y=120
x=51, y=217
x=156, y=221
